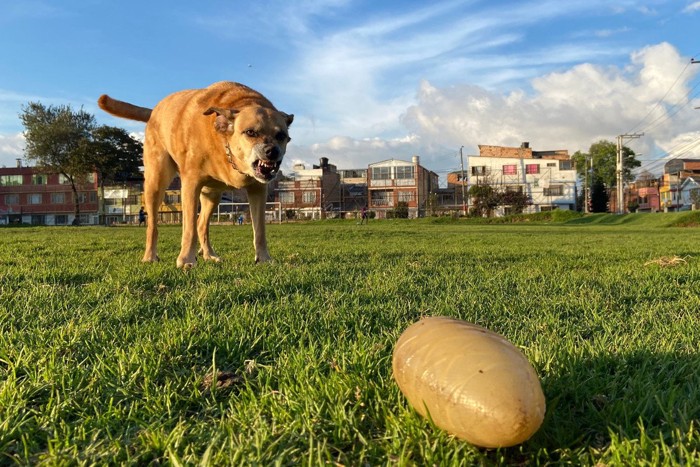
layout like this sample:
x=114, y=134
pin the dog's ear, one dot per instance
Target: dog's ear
x=289, y=118
x=224, y=118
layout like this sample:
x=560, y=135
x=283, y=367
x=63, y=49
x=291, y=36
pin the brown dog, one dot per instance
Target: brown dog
x=226, y=135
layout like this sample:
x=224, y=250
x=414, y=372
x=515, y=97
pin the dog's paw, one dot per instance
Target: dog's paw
x=186, y=263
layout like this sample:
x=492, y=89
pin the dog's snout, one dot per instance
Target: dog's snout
x=272, y=151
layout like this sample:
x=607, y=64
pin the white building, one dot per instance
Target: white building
x=690, y=188
x=547, y=177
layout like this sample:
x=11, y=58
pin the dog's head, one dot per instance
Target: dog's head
x=256, y=137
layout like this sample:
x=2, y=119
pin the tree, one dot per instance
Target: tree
x=399, y=212
x=604, y=157
x=485, y=199
x=599, y=196
x=603, y=176
x=517, y=200
x=61, y=140
x=56, y=141
x=117, y=156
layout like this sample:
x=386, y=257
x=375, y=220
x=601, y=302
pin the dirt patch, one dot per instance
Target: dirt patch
x=221, y=380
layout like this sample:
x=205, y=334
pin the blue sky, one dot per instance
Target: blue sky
x=370, y=81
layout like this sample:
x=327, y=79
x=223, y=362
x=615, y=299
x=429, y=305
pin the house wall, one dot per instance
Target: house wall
x=648, y=199
x=548, y=185
x=323, y=188
x=48, y=202
x=384, y=195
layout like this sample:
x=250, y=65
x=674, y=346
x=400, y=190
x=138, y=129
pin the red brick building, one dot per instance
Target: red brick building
x=311, y=193
x=395, y=181
x=30, y=196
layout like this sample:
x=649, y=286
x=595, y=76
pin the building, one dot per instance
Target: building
x=690, y=193
x=395, y=181
x=675, y=172
x=645, y=195
x=353, y=184
x=311, y=193
x=548, y=178
x=31, y=196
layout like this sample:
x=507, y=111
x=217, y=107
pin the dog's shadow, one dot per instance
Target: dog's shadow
x=629, y=395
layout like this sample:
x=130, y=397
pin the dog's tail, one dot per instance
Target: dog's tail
x=123, y=109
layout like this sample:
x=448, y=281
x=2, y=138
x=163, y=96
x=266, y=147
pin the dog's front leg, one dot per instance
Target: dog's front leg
x=188, y=247
x=257, y=196
x=208, y=201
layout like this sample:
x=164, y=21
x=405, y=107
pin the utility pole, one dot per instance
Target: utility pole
x=464, y=199
x=587, y=186
x=692, y=60
x=620, y=169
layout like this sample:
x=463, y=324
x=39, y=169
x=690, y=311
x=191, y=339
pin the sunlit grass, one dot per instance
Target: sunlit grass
x=104, y=359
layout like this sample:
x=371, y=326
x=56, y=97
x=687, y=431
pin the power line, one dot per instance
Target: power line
x=658, y=104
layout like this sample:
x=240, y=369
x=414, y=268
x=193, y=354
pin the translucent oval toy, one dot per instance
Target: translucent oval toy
x=469, y=381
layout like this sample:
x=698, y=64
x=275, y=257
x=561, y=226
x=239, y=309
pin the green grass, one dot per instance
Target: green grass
x=103, y=359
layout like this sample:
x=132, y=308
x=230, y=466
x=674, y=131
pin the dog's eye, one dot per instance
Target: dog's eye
x=250, y=132
x=281, y=136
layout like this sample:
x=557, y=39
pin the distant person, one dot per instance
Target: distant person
x=142, y=217
x=364, y=218
x=240, y=219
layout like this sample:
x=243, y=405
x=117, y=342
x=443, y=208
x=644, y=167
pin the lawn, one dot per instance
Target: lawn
x=104, y=359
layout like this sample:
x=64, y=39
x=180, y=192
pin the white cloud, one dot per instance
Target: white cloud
x=11, y=148
x=692, y=7
x=570, y=110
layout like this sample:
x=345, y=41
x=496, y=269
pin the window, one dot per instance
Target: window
x=89, y=178
x=172, y=198
x=381, y=173
x=350, y=173
x=404, y=172
x=554, y=190
x=10, y=180
x=34, y=198
x=551, y=164
x=58, y=198
x=382, y=198
x=510, y=169
x=406, y=196
x=308, y=197
x=566, y=165
x=61, y=219
x=39, y=179
x=405, y=176
x=287, y=197
x=514, y=188
x=480, y=170
x=11, y=199
x=532, y=169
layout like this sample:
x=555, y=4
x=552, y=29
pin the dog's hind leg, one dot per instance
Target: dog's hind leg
x=208, y=201
x=159, y=171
